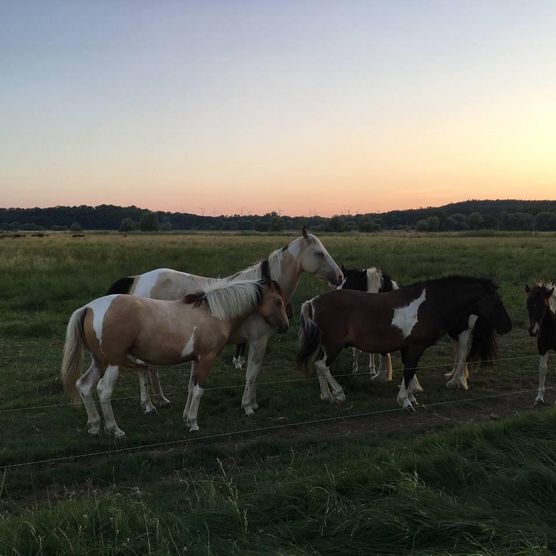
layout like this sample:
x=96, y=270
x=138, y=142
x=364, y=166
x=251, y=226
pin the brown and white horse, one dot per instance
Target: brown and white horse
x=541, y=306
x=410, y=319
x=473, y=338
x=285, y=266
x=124, y=331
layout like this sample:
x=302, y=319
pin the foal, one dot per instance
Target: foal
x=125, y=331
x=410, y=319
x=541, y=306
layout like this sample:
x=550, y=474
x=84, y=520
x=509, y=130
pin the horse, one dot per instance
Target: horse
x=409, y=319
x=129, y=332
x=473, y=339
x=286, y=265
x=541, y=306
x=370, y=280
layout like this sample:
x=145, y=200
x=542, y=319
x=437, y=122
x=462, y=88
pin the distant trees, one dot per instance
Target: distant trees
x=545, y=221
x=75, y=227
x=149, y=222
x=469, y=215
x=128, y=225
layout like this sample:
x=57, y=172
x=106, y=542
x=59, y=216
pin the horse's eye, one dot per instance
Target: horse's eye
x=319, y=254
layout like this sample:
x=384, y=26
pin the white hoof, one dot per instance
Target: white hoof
x=406, y=404
x=540, y=401
x=162, y=402
x=249, y=411
x=237, y=363
x=455, y=383
x=94, y=429
x=326, y=397
x=115, y=432
x=338, y=396
x=193, y=426
x=150, y=410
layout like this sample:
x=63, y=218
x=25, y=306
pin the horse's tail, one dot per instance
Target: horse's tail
x=484, y=343
x=122, y=285
x=309, y=336
x=73, y=350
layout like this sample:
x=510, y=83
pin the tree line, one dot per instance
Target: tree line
x=467, y=215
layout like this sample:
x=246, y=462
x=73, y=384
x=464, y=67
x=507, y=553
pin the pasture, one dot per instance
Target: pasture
x=302, y=476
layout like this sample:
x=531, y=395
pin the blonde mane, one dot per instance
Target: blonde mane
x=234, y=300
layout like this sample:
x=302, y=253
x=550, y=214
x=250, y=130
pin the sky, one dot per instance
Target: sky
x=298, y=106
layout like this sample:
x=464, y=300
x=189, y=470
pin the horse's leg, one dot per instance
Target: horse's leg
x=199, y=376
x=405, y=396
x=458, y=379
x=159, y=398
x=238, y=359
x=189, y=392
x=453, y=371
x=146, y=404
x=105, y=387
x=86, y=385
x=323, y=369
x=384, y=373
x=543, y=365
x=372, y=368
x=257, y=349
x=354, y=363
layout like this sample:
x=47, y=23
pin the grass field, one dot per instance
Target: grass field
x=483, y=488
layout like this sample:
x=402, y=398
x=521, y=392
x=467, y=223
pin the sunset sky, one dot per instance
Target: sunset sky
x=222, y=107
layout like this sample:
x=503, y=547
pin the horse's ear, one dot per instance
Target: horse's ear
x=265, y=270
x=304, y=232
x=527, y=288
x=343, y=269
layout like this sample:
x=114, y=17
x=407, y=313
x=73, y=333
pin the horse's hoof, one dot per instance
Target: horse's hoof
x=193, y=426
x=116, y=433
x=407, y=406
x=94, y=430
x=151, y=411
x=540, y=402
x=249, y=411
x=339, y=397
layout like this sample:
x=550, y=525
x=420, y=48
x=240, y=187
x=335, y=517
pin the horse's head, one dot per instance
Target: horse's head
x=315, y=259
x=354, y=279
x=491, y=308
x=538, y=303
x=272, y=308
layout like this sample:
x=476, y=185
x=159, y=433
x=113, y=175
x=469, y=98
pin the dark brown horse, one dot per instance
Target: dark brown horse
x=409, y=319
x=541, y=306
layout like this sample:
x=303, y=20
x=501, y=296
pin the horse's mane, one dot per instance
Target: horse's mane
x=486, y=282
x=231, y=301
x=546, y=286
x=265, y=269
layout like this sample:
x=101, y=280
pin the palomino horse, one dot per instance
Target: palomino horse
x=285, y=266
x=124, y=331
x=410, y=319
x=541, y=306
x=473, y=338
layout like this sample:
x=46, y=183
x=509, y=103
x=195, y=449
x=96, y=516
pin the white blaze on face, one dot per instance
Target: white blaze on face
x=405, y=318
x=99, y=307
x=472, y=321
x=189, y=347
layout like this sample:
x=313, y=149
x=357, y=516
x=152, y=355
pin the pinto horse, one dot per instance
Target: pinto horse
x=285, y=266
x=124, y=331
x=410, y=319
x=541, y=306
x=473, y=338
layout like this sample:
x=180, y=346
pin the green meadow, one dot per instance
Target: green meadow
x=388, y=483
